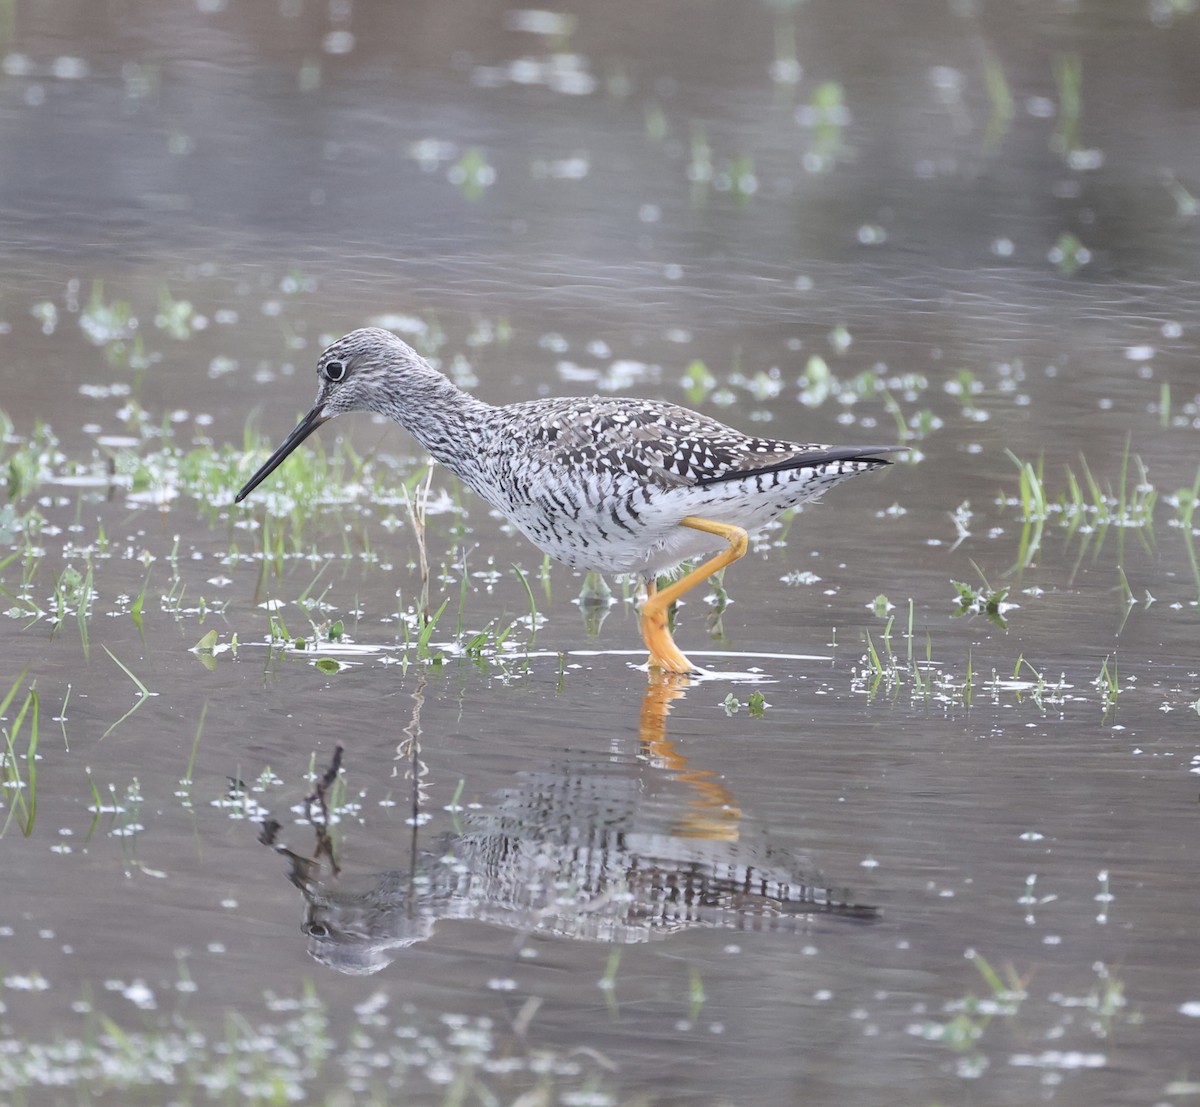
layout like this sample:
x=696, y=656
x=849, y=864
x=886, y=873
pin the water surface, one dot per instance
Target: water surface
x=938, y=859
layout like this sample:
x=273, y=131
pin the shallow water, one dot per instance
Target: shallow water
x=936, y=860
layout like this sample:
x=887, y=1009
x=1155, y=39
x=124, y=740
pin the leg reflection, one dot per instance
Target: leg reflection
x=711, y=811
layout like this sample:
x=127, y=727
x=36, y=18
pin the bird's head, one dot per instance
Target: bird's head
x=364, y=370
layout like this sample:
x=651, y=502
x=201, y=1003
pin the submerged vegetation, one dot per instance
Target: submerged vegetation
x=292, y=1048
x=20, y=785
x=334, y=508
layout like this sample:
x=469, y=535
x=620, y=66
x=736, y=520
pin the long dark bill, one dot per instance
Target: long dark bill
x=303, y=429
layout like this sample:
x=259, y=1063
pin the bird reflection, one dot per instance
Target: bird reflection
x=598, y=850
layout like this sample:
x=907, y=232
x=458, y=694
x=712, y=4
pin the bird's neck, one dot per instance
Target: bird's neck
x=441, y=416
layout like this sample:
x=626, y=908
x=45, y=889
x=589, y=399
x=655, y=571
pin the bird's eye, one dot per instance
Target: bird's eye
x=335, y=371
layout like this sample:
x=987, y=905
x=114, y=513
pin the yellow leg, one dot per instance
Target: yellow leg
x=664, y=654
x=656, y=633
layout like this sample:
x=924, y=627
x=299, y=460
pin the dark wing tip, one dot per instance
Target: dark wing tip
x=847, y=453
x=812, y=459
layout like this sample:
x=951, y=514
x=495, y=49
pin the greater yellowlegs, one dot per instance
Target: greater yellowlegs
x=611, y=484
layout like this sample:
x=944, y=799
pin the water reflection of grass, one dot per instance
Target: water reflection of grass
x=1002, y=106
x=1085, y=509
x=27, y=462
x=332, y=490
x=144, y=693
x=969, y=1024
x=340, y=491
x=827, y=117
x=292, y=1049
x=971, y=1015
x=1068, y=76
x=918, y=675
x=1109, y=683
x=20, y=745
x=1185, y=502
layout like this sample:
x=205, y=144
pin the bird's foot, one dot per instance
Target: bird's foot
x=656, y=632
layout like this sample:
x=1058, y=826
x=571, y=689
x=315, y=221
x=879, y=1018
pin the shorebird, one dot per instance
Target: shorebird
x=613, y=484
